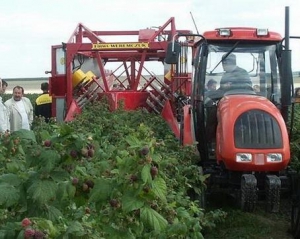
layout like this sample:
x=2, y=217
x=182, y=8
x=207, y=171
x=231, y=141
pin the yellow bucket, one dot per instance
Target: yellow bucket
x=78, y=77
x=168, y=75
x=89, y=76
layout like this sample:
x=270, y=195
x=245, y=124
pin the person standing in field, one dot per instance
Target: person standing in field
x=4, y=115
x=43, y=104
x=4, y=86
x=20, y=110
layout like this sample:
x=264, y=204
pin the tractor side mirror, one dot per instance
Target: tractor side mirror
x=172, y=54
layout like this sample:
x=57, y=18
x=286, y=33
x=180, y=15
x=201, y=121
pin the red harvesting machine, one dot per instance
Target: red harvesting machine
x=80, y=71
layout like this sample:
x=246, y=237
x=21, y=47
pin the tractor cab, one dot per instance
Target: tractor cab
x=249, y=71
x=240, y=125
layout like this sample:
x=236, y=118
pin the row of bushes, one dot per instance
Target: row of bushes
x=103, y=175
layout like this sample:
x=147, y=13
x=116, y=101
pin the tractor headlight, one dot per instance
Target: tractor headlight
x=243, y=157
x=274, y=158
x=262, y=32
x=224, y=32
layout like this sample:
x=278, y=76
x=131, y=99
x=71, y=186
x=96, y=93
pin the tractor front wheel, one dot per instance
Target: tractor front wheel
x=273, y=187
x=248, y=193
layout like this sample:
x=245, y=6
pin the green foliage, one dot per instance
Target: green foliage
x=104, y=175
x=295, y=140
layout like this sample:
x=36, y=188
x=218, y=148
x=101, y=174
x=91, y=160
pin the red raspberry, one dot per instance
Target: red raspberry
x=26, y=222
x=39, y=235
x=29, y=233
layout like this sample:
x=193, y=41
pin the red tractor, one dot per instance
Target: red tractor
x=241, y=128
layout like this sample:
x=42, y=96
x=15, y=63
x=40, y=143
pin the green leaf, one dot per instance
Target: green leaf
x=45, y=135
x=71, y=190
x=157, y=158
x=13, y=167
x=11, y=179
x=81, y=171
x=182, y=213
x=78, y=143
x=133, y=141
x=146, y=175
x=54, y=214
x=120, y=161
x=61, y=191
x=118, y=234
x=42, y=191
x=48, y=160
x=9, y=229
x=178, y=229
x=46, y=225
x=20, y=149
x=65, y=130
x=130, y=203
x=159, y=188
x=24, y=134
x=9, y=195
x=20, y=235
x=59, y=175
x=101, y=191
x=153, y=219
x=75, y=228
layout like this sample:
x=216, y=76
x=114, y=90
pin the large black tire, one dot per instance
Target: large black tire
x=248, y=193
x=273, y=188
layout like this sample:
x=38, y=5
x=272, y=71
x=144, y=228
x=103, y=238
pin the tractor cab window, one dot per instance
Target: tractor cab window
x=244, y=69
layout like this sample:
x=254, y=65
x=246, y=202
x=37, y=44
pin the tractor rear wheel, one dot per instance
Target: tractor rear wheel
x=248, y=194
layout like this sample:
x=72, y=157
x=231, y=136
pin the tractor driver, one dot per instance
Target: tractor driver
x=234, y=77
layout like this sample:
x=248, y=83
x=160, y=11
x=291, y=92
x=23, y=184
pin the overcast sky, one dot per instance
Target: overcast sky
x=28, y=28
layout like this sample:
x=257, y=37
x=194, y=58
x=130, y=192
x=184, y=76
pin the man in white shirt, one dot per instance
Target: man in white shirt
x=20, y=110
x=4, y=115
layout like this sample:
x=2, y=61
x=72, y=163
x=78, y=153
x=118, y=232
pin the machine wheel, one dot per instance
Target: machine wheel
x=248, y=194
x=273, y=187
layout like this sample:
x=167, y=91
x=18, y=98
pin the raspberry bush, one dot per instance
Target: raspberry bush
x=105, y=175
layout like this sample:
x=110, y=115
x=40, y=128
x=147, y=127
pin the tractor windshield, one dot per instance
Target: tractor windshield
x=240, y=66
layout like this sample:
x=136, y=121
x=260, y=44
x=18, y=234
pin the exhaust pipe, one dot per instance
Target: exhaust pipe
x=287, y=77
